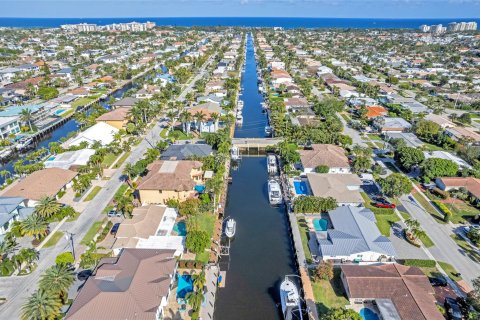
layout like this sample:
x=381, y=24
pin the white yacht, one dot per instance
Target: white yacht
x=239, y=119
x=235, y=153
x=240, y=104
x=268, y=131
x=23, y=143
x=230, y=228
x=274, y=192
x=289, y=298
x=272, y=164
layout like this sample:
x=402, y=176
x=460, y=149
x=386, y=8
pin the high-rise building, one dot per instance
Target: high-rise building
x=424, y=28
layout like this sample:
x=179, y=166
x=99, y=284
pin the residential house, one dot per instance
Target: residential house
x=471, y=184
x=167, y=180
x=70, y=160
x=294, y=104
x=186, y=151
x=117, y=118
x=9, y=126
x=376, y=111
x=344, y=188
x=101, y=132
x=150, y=227
x=447, y=156
x=208, y=124
x=280, y=76
x=127, y=102
x=459, y=133
x=354, y=237
x=328, y=155
x=134, y=285
x=12, y=209
x=409, y=138
x=387, y=124
x=42, y=183
x=398, y=292
x=442, y=121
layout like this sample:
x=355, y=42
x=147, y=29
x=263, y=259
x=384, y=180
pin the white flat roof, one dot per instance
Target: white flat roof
x=163, y=242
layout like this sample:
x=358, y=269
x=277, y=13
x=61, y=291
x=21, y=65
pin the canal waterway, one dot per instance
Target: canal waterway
x=261, y=254
x=254, y=120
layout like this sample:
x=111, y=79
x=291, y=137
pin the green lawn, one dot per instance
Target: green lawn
x=179, y=135
x=122, y=159
x=450, y=270
x=108, y=160
x=91, y=232
x=206, y=222
x=428, y=207
x=461, y=212
x=329, y=294
x=375, y=137
x=304, y=233
x=385, y=222
x=427, y=242
x=203, y=257
x=53, y=240
x=469, y=251
x=92, y=193
x=163, y=133
x=123, y=188
x=345, y=117
x=81, y=102
x=431, y=147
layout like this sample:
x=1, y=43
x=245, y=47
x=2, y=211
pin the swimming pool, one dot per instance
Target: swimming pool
x=59, y=111
x=199, y=188
x=300, y=187
x=180, y=228
x=320, y=224
x=51, y=159
x=368, y=314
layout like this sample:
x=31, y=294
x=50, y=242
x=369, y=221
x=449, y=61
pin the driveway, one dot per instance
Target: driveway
x=404, y=249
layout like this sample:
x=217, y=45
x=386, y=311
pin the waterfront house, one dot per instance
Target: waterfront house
x=280, y=76
x=147, y=92
x=150, y=227
x=294, y=104
x=12, y=209
x=186, y=151
x=46, y=182
x=9, y=126
x=101, y=132
x=117, y=118
x=167, y=180
x=127, y=102
x=70, y=160
x=328, y=155
x=134, y=285
x=344, y=188
x=398, y=292
x=208, y=124
x=354, y=237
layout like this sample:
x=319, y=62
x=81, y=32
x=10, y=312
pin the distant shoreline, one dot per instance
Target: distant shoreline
x=285, y=22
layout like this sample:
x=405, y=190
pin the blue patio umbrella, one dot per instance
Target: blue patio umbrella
x=184, y=286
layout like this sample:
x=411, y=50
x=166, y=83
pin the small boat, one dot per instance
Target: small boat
x=23, y=143
x=239, y=119
x=274, y=192
x=272, y=164
x=230, y=228
x=5, y=153
x=289, y=298
x=235, y=153
x=268, y=131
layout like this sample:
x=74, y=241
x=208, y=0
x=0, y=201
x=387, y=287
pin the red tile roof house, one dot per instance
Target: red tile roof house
x=400, y=292
x=134, y=285
x=328, y=155
x=471, y=184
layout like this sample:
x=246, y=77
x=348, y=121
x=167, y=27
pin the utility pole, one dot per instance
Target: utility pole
x=69, y=237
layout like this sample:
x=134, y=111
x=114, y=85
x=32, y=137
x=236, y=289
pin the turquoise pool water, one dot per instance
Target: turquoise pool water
x=180, y=228
x=199, y=188
x=368, y=314
x=59, y=111
x=300, y=187
x=51, y=159
x=320, y=224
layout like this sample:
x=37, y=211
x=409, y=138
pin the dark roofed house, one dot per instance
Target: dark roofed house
x=400, y=292
x=12, y=209
x=127, y=102
x=135, y=285
x=186, y=151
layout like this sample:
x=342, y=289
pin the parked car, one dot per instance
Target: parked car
x=453, y=309
x=383, y=203
x=84, y=274
x=114, y=213
x=115, y=229
x=473, y=226
x=438, y=281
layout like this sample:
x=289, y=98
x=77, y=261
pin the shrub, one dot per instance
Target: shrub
x=447, y=214
x=439, y=192
x=322, y=169
x=324, y=270
x=105, y=231
x=190, y=264
x=424, y=263
x=311, y=204
x=64, y=258
x=197, y=241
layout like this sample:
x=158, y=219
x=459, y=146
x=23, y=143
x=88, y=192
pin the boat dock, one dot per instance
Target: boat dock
x=254, y=146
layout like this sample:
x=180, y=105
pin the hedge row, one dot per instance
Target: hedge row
x=443, y=208
x=418, y=263
x=190, y=264
x=105, y=231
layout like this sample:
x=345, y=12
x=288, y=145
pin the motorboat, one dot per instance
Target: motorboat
x=272, y=164
x=230, y=228
x=5, y=153
x=23, y=143
x=240, y=105
x=268, y=131
x=239, y=119
x=274, y=192
x=290, y=299
x=235, y=153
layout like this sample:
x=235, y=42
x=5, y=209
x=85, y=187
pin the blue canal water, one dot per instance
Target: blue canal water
x=254, y=121
x=236, y=21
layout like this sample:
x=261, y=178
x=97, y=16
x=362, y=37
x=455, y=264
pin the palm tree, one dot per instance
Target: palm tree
x=199, y=119
x=199, y=281
x=57, y=279
x=414, y=228
x=171, y=115
x=7, y=246
x=194, y=299
x=35, y=226
x=129, y=171
x=5, y=173
x=41, y=305
x=215, y=117
x=186, y=118
x=47, y=207
x=7, y=267
x=28, y=255
x=26, y=115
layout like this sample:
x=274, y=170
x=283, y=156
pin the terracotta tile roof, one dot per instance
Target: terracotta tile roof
x=407, y=287
x=169, y=175
x=469, y=183
x=118, y=114
x=324, y=154
x=130, y=287
x=46, y=182
x=144, y=222
x=376, y=111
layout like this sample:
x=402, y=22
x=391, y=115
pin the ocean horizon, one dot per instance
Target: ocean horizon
x=284, y=22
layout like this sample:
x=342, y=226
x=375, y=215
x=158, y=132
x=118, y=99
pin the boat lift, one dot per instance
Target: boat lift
x=224, y=245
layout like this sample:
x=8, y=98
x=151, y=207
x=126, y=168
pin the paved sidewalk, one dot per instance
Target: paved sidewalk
x=208, y=307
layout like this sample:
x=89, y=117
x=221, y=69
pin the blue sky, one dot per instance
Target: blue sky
x=248, y=8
